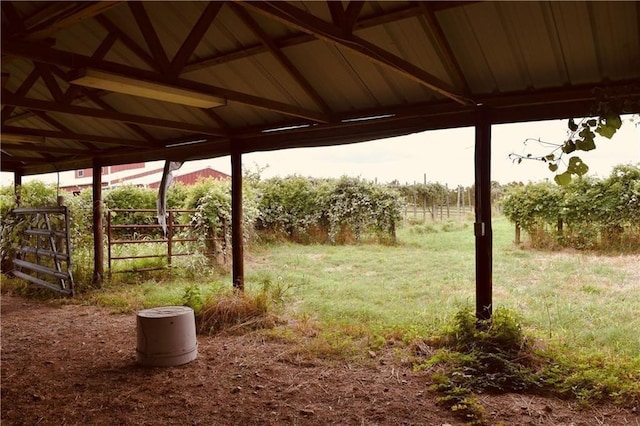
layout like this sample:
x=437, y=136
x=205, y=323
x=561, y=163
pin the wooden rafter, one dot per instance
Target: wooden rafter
x=345, y=19
x=297, y=39
x=127, y=41
x=102, y=50
x=24, y=88
x=195, y=36
x=444, y=48
x=403, y=12
x=14, y=20
x=281, y=57
x=96, y=99
x=29, y=147
x=62, y=58
x=42, y=115
x=149, y=34
x=68, y=135
x=351, y=14
x=37, y=104
x=300, y=20
x=59, y=15
x=50, y=81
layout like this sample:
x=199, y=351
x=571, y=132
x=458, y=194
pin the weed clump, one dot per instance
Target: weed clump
x=482, y=356
x=494, y=356
x=236, y=311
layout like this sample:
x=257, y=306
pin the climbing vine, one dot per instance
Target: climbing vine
x=605, y=121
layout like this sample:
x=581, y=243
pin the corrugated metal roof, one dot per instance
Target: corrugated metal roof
x=290, y=64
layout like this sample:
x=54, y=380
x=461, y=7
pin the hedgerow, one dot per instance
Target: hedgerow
x=588, y=213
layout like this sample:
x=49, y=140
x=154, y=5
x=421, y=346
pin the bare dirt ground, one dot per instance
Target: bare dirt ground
x=76, y=365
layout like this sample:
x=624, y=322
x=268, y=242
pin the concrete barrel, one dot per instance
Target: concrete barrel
x=166, y=336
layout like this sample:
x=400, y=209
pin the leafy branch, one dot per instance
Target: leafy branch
x=581, y=137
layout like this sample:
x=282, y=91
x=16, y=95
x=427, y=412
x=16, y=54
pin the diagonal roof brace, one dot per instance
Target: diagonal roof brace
x=303, y=21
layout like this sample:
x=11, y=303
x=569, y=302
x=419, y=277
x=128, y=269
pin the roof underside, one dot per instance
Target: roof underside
x=296, y=74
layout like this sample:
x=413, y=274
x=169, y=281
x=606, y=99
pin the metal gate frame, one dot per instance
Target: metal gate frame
x=40, y=253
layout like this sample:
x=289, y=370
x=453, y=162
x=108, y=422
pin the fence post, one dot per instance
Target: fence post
x=109, y=240
x=517, y=233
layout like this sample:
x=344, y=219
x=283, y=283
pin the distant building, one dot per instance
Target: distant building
x=137, y=174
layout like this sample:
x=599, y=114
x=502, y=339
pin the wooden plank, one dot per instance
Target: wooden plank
x=77, y=137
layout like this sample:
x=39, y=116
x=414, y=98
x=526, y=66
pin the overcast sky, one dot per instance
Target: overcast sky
x=445, y=156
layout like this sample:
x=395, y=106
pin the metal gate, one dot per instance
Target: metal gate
x=44, y=255
x=147, y=233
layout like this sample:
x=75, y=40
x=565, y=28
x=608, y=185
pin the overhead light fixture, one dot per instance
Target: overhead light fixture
x=367, y=118
x=285, y=128
x=12, y=137
x=145, y=89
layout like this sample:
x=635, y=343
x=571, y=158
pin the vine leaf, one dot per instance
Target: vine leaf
x=553, y=167
x=563, y=179
x=609, y=125
x=586, y=143
x=572, y=125
x=577, y=166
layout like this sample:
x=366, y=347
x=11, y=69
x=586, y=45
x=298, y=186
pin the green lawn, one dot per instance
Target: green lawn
x=578, y=301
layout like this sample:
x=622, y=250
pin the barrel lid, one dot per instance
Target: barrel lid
x=165, y=312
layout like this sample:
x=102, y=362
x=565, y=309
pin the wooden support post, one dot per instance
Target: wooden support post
x=169, y=237
x=483, y=231
x=17, y=178
x=237, y=238
x=98, y=234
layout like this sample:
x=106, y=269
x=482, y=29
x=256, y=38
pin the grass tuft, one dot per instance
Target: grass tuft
x=235, y=312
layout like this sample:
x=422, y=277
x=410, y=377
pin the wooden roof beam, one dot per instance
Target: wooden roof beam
x=96, y=99
x=280, y=57
x=62, y=58
x=29, y=147
x=10, y=99
x=51, y=82
x=343, y=18
x=128, y=42
x=303, y=21
x=68, y=135
x=149, y=34
x=445, y=52
x=24, y=88
x=195, y=37
x=360, y=23
x=56, y=16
